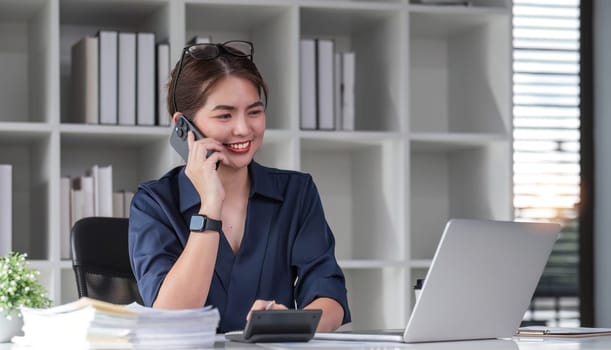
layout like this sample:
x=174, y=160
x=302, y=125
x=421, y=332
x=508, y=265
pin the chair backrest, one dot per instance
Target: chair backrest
x=100, y=258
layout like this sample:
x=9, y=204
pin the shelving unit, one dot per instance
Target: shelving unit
x=432, y=137
x=460, y=119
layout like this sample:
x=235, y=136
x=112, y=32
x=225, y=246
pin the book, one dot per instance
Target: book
x=108, y=68
x=84, y=81
x=93, y=324
x=81, y=198
x=94, y=174
x=126, y=114
x=105, y=188
x=64, y=220
x=337, y=89
x=118, y=203
x=145, y=78
x=344, y=67
x=324, y=84
x=307, y=78
x=163, y=76
x=102, y=189
x=6, y=208
x=127, y=202
x=76, y=204
x=577, y=332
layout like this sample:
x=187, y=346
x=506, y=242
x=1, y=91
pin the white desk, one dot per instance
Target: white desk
x=592, y=343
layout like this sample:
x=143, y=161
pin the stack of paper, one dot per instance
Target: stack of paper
x=92, y=324
x=174, y=329
x=83, y=324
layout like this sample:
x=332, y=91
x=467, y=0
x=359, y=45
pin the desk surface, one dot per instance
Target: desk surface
x=591, y=343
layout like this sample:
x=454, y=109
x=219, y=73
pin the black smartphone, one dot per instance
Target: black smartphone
x=178, y=138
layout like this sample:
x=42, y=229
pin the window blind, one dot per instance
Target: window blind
x=546, y=119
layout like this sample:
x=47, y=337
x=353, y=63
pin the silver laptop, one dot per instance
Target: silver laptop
x=479, y=285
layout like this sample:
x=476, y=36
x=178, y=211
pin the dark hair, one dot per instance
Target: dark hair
x=199, y=77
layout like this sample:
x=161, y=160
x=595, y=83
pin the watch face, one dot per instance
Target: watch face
x=197, y=223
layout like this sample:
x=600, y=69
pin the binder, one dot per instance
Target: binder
x=324, y=78
x=163, y=76
x=145, y=79
x=307, y=78
x=108, y=73
x=348, y=80
x=85, y=81
x=127, y=79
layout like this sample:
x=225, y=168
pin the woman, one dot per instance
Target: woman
x=224, y=230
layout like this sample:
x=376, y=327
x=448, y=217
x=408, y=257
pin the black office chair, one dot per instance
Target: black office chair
x=100, y=259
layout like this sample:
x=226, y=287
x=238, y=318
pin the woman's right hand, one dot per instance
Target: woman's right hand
x=261, y=304
x=202, y=172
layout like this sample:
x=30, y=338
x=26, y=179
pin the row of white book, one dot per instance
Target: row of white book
x=83, y=196
x=120, y=78
x=327, y=81
x=88, y=195
x=6, y=208
x=93, y=324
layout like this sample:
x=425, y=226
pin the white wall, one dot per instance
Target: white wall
x=602, y=145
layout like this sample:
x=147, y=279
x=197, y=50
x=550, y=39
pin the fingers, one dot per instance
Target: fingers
x=215, y=159
x=204, y=149
x=190, y=139
x=265, y=305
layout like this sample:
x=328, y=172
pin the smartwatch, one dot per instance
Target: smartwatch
x=201, y=223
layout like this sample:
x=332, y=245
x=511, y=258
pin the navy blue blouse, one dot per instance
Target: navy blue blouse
x=286, y=254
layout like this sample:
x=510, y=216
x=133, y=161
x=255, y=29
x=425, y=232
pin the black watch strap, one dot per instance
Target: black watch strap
x=201, y=223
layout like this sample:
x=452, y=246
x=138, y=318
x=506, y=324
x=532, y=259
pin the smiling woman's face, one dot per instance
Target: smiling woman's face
x=234, y=115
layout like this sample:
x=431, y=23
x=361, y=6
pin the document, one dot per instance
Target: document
x=93, y=324
x=579, y=332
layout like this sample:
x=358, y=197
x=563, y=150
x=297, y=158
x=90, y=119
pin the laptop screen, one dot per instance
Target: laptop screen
x=481, y=280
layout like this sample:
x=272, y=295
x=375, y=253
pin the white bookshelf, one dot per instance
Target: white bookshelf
x=432, y=135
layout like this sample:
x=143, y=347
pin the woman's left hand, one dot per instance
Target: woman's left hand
x=261, y=304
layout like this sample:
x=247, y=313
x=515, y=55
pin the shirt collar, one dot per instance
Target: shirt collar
x=261, y=184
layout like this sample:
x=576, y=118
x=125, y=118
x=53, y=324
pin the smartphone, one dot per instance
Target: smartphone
x=178, y=138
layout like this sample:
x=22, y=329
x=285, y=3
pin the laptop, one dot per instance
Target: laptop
x=479, y=284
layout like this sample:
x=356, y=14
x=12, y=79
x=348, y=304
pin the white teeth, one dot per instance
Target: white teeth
x=240, y=145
